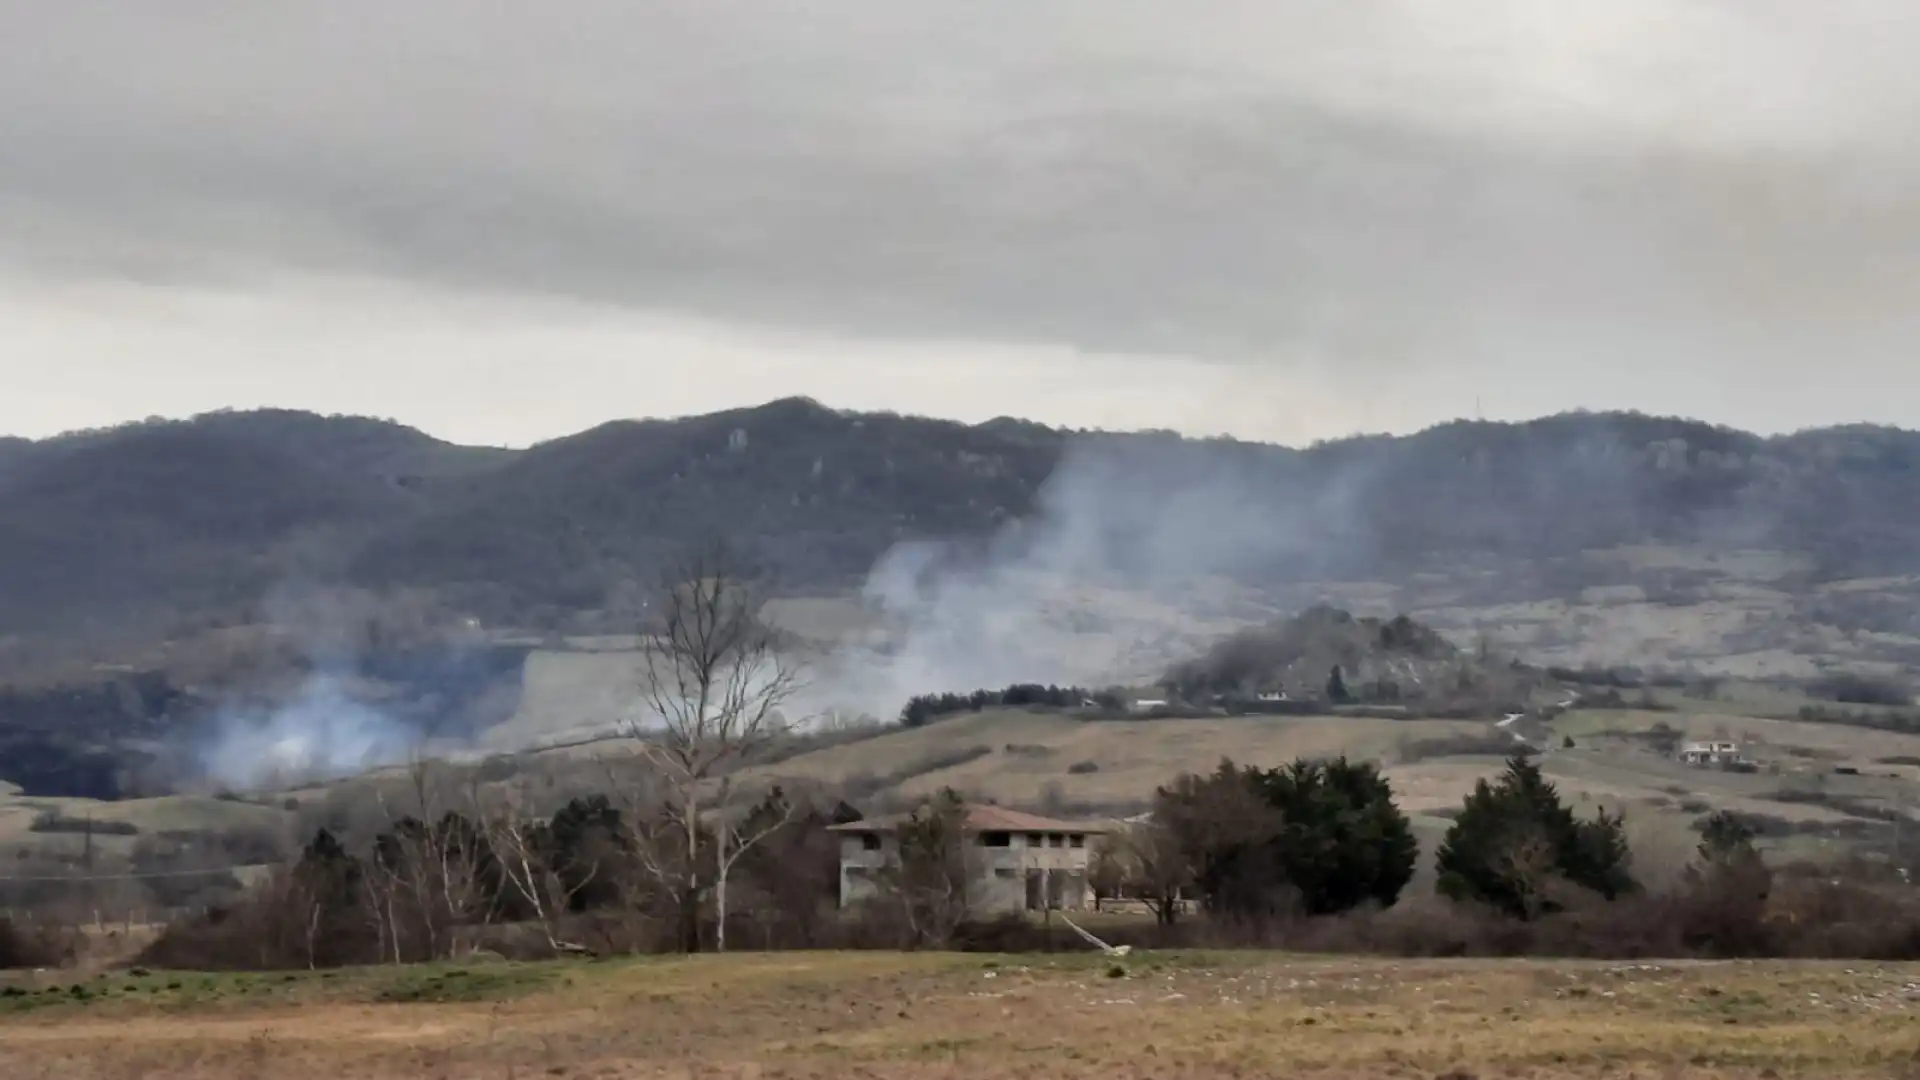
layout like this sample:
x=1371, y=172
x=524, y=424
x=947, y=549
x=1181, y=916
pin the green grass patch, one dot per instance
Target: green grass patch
x=455, y=984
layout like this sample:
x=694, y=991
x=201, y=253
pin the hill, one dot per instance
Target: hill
x=814, y=494
x=176, y=517
x=1329, y=655
x=170, y=526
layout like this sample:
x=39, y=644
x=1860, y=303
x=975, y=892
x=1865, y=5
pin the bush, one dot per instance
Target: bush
x=1515, y=843
x=35, y=945
x=1083, y=768
x=1472, y=744
x=1849, y=688
x=923, y=709
x=52, y=821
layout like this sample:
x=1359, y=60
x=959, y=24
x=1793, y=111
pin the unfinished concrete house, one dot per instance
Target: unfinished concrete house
x=1016, y=861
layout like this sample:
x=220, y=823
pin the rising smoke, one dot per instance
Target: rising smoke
x=334, y=722
x=324, y=732
x=1124, y=565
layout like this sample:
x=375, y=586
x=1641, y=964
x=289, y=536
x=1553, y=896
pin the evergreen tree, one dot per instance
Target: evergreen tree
x=1337, y=691
x=1319, y=836
x=1514, y=838
x=1726, y=891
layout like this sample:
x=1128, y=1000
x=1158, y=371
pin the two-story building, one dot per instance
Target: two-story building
x=1015, y=861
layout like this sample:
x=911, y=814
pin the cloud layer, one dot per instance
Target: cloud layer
x=1366, y=213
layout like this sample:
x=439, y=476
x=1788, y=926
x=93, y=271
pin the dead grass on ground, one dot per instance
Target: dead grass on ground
x=943, y=1015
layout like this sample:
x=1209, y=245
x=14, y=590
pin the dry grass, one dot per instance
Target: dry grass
x=1133, y=757
x=886, y=1015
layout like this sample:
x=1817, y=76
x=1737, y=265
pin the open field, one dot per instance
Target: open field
x=947, y=1015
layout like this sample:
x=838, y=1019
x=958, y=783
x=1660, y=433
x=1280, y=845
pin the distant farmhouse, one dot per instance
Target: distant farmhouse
x=1016, y=861
x=1718, y=754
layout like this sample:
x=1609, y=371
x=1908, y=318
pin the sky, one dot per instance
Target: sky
x=1284, y=221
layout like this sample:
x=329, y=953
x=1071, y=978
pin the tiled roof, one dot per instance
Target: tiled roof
x=982, y=819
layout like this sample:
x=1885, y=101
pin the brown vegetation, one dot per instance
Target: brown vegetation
x=927, y=1016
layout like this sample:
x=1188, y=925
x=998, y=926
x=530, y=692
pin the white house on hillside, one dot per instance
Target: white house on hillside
x=1016, y=861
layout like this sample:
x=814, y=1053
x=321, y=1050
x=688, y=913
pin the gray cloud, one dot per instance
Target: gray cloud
x=1356, y=188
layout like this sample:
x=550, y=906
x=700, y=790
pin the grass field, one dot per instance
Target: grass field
x=946, y=1015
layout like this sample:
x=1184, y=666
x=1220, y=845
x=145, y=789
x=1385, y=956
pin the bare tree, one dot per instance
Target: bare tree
x=1144, y=859
x=732, y=839
x=929, y=873
x=528, y=865
x=1527, y=862
x=429, y=869
x=712, y=684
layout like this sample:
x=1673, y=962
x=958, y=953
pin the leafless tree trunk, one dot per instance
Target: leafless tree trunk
x=1527, y=862
x=732, y=840
x=1145, y=859
x=432, y=872
x=933, y=867
x=531, y=872
x=712, y=683
x=313, y=931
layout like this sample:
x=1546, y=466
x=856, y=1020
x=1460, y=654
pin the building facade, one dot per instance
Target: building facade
x=1015, y=861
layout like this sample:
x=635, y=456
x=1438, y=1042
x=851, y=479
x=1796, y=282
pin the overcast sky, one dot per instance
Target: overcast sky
x=1286, y=219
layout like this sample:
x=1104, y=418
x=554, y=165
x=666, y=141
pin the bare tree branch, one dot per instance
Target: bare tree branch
x=712, y=685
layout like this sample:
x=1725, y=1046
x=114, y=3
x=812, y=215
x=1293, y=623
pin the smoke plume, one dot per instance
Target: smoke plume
x=374, y=680
x=1136, y=554
x=324, y=732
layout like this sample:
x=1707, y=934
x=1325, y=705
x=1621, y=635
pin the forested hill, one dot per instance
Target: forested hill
x=176, y=523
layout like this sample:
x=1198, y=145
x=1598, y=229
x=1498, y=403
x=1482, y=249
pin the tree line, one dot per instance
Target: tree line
x=922, y=709
x=1314, y=853
x=1320, y=838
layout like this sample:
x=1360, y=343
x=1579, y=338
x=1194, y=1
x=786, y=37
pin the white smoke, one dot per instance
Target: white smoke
x=1120, y=569
x=322, y=733
x=327, y=727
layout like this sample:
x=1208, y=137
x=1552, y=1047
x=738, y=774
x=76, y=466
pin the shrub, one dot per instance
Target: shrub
x=926, y=708
x=1083, y=768
x=52, y=821
x=1472, y=744
x=1849, y=688
x=35, y=945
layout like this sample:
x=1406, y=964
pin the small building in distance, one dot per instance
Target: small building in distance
x=1718, y=754
x=1015, y=861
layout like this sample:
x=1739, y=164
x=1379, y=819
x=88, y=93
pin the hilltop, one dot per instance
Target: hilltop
x=1327, y=654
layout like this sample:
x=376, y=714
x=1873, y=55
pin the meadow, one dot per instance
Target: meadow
x=889, y=1015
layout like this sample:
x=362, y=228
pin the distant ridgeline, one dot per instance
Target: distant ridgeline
x=169, y=524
